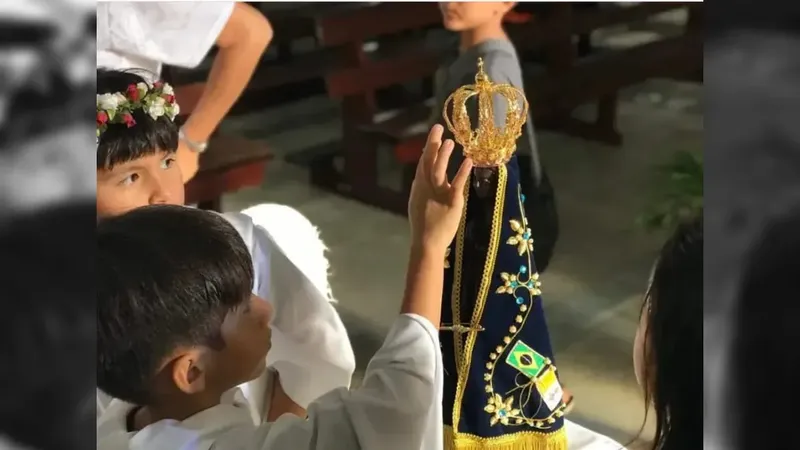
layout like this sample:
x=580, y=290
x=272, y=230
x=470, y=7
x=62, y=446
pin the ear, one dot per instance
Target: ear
x=190, y=370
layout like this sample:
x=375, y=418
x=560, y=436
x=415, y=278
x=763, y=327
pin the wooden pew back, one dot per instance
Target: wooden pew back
x=358, y=73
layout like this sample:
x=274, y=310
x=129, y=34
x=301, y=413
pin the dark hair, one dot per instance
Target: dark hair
x=120, y=144
x=168, y=276
x=47, y=328
x=674, y=340
x=765, y=360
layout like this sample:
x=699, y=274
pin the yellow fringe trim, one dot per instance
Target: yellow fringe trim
x=523, y=440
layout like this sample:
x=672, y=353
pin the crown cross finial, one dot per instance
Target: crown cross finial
x=481, y=76
x=489, y=145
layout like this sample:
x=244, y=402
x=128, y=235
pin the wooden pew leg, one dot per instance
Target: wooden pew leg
x=211, y=205
x=602, y=129
x=322, y=170
x=607, y=119
x=585, y=45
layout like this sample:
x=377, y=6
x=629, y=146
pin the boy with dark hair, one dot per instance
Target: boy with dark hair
x=136, y=145
x=178, y=330
x=177, y=324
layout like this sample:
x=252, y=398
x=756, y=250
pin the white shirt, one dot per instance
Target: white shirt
x=311, y=350
x=398, y=407
x=310, y=347
x=146, y=35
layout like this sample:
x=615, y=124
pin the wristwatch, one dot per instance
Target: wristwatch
x=198, y=147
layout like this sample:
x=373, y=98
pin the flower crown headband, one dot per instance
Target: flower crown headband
x=118, y=107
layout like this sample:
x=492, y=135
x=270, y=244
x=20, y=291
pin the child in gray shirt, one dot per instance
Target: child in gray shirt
x=481, y=35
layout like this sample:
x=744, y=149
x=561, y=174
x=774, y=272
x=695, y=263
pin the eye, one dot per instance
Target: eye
x=167, y=162
x=130, y=179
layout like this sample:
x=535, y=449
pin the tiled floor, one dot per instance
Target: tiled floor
x=594, y=286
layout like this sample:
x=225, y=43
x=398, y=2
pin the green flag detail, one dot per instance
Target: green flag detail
x=526, y=360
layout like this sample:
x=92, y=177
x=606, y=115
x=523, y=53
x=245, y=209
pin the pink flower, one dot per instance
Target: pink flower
x=128, y=119
x=102, y=118
x=132, y=93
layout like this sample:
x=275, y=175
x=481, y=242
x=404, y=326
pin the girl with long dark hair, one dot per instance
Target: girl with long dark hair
x=668, y=349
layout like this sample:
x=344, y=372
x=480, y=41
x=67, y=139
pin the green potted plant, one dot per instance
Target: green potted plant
x=678, y=193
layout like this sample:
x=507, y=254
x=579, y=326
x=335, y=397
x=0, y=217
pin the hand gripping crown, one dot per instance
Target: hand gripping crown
x=488, y=146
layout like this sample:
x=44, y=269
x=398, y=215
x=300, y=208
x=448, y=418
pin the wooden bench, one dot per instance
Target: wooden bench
x=231, y=163
x=566, y=80
x=356, y=80
x=282, y=75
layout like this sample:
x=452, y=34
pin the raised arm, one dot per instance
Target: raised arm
x=241, y=44
x=398, y=407
x=395, y=408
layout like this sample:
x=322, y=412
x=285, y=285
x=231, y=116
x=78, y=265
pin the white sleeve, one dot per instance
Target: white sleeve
x=175, y=33
x=310, y=347
x=398, y=407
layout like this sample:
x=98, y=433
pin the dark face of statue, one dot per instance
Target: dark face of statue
x=483, y=180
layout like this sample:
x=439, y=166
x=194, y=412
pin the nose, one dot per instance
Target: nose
x=162, y=195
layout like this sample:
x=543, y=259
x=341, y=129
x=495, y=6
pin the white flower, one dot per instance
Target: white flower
x=167, y=89
x=142, y=88
x=173, y=111
x=108, y=102
x=121, y=99
x=156, y=107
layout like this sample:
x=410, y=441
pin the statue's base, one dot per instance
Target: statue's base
x=521, y=440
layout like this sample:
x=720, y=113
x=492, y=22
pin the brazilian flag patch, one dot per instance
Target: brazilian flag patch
x=526, y=360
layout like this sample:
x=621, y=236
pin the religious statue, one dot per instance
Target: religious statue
x=501, y=390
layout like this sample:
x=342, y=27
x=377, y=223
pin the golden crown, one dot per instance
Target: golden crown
x=489, y=145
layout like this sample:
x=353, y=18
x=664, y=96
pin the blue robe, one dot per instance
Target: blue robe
x=501, y=388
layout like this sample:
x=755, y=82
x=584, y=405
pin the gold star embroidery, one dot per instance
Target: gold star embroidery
x=523, y=239
x=500, y=409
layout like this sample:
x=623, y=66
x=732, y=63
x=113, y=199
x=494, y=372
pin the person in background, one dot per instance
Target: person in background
x=480, y=29
x=668, y=348
x=48, y=328
x=177, y=363
x=147, y=35
x=136, y=148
